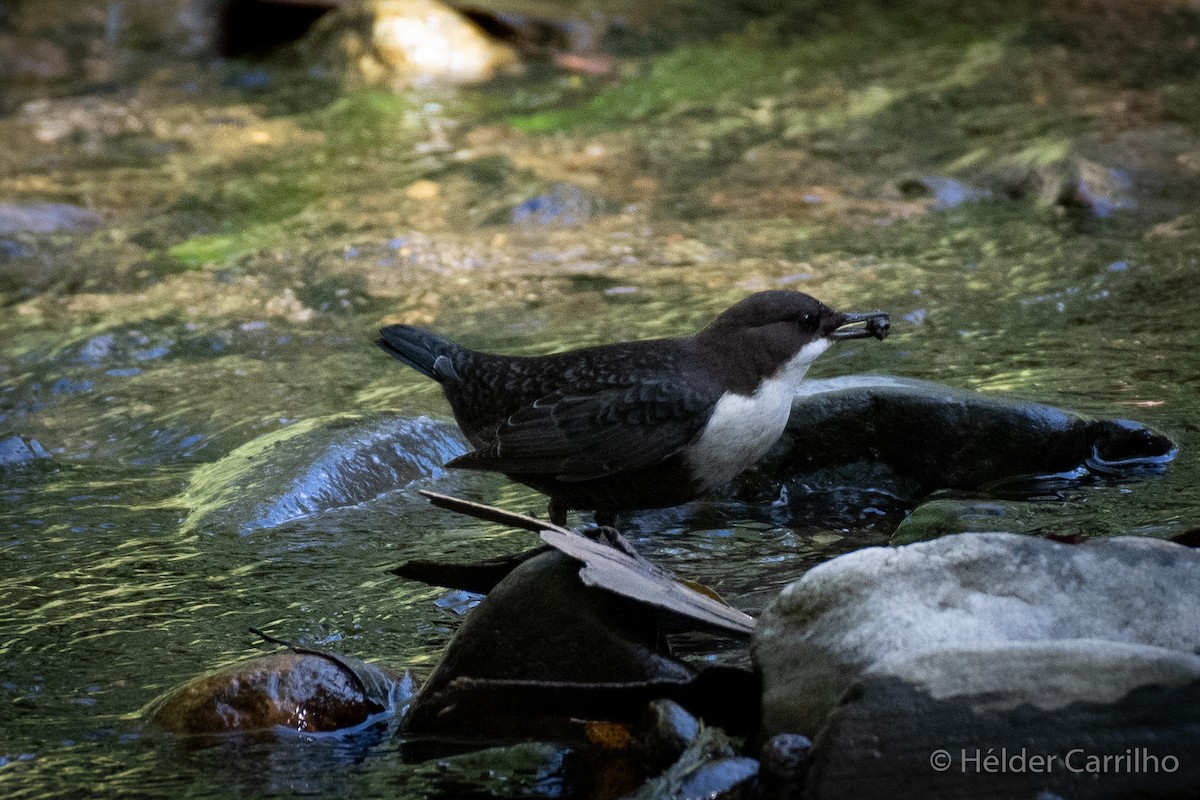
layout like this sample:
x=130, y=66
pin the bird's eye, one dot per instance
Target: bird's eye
x=806, y=319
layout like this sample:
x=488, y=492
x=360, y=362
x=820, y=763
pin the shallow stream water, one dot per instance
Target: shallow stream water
x=248, y=248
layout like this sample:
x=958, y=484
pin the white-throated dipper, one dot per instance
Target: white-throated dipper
x=635, y=425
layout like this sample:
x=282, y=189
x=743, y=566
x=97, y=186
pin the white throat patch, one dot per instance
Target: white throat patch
x=742, y=429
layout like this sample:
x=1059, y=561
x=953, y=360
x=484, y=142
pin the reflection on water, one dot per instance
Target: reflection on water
x=235, y=290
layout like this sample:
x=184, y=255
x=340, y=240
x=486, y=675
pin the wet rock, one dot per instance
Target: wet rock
x=973, y=591
x=707, y=768
x=47, y=218
x=561, y=639
x=1188, y=538
x=904, y=438
x=941, y=517
x=665, y=731
x=1122, y=443
x=317, y=465
x=18, y=450
x=305, y=691
x=540, y=624
x=1081, y=719
x=783, y=766
x=564, y=205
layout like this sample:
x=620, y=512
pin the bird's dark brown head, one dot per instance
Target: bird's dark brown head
x=763, y=332
x=795, y=316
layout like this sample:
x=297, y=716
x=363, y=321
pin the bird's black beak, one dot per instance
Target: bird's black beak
x=876, y=325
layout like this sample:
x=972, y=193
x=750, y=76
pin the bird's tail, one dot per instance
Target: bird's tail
x=423, y=351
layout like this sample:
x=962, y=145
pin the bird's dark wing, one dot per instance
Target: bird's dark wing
x=580, y=436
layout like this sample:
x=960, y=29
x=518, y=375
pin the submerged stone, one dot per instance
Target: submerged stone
x=977, y=591
x=564, y=205
x=19, y=450
x=941, y=517
x=47, y=218
x=305, y=692
x=317, y=465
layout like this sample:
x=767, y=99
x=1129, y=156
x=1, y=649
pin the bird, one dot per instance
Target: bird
x=635, y=425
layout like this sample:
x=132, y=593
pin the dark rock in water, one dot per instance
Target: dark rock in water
x=306, y=692
x=1122, y=445
x=783, y=766
x=891, y=738
x=317, y=465
x=47, y=218
x=1189, y=538
x=1020, y=620
x=708, y=768
x=905, y=438
x=564, y=205
x=17, y=450
x=563, y=638
x=541, y=624
x=665, y=731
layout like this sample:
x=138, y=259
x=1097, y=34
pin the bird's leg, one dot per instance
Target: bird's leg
x=557, y=511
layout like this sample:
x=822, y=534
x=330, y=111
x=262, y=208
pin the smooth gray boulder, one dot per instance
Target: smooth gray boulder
x=317, y=465
x=1082, y=719
x=1047, y=675
x=970, y=591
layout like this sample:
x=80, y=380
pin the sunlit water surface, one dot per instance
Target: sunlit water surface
x=107, y=600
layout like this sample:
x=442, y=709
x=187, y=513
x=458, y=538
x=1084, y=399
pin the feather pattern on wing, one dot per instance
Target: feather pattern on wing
x=577, y=436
